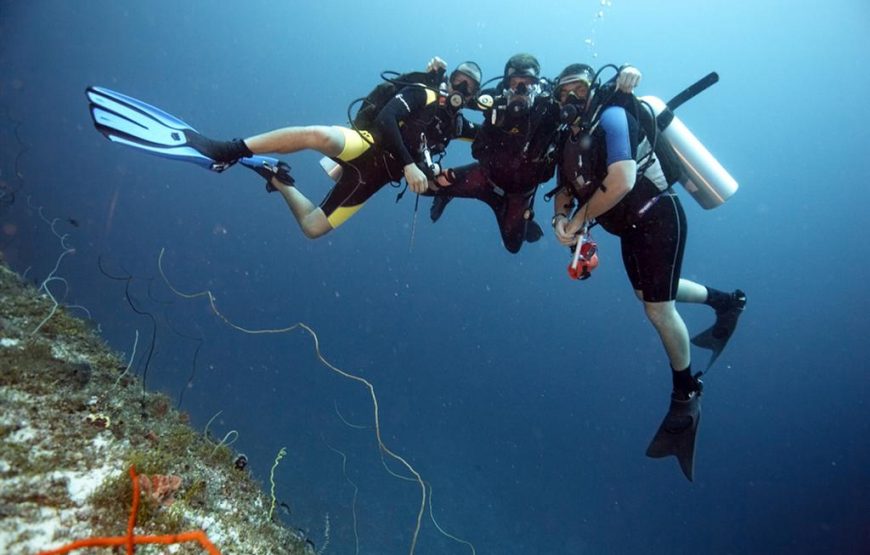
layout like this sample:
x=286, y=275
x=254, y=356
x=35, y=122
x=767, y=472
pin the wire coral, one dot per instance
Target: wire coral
x=130, y=540
x=425, y=492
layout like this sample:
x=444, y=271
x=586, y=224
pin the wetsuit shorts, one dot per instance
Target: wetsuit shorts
x=365, y=170
x=652, y=249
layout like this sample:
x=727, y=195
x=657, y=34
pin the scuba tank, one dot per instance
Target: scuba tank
x=702, y=175
x=683, y=158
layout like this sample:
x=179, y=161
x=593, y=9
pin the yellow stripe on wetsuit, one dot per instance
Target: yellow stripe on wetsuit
x=355, y=144
x=342, y=214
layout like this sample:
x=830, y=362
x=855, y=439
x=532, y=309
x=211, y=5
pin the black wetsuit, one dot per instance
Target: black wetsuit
x=415, y=111
x=649, y=220
x=396, y=137
x=514, y=157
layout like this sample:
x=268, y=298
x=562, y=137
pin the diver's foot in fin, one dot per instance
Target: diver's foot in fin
x=439, y=203
x=716, y=337
x=677, y=433
x=224, y=153
x=533, y=231
x=269, y=168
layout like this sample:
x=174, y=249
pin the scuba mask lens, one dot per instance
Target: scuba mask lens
x=530, y=90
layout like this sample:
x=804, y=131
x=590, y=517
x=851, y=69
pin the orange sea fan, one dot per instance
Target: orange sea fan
x=130, y=541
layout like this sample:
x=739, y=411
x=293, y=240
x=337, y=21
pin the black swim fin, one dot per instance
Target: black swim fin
x=439, y=203
x=677, y=433
x=716, y=336
x=533, y=232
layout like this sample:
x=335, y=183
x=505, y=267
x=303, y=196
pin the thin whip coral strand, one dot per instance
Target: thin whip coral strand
x=449, y=535
x=301, y=325
x=51, y=277
x=130, y=540
x=355, y=491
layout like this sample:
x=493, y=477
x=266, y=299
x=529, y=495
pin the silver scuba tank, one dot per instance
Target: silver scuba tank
x=702, y=175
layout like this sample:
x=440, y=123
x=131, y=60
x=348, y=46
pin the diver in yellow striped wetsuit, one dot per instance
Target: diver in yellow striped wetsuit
x=416, y=117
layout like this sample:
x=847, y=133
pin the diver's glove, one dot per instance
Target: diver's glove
x=436, y=64
x=628, y=78
x=416, y=179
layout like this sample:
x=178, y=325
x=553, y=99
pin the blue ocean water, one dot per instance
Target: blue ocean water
x=525, y=399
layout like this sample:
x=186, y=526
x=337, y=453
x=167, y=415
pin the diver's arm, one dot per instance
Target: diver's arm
x=387, y=122
x=392, y=114
x=618, y=183
x=628, y=78
x=467, y=130
x=621, y=168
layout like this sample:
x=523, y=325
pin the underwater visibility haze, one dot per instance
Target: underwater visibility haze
x=526, y=400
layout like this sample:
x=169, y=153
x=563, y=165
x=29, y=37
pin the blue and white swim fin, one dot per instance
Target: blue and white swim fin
x=128, y=121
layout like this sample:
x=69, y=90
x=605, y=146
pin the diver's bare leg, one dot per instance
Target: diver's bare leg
x=327, y=140
x=310, y=217
x=672, y=331
x=691, y=292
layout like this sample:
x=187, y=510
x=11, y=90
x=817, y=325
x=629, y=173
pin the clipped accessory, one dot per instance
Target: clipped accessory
x=585, y=257
x=430, y=168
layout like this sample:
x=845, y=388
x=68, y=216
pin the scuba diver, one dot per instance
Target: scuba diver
x=514, y=149
x=416, y=123
x=608, y=174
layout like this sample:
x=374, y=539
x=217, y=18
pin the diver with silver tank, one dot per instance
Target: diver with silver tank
x=619, y=160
